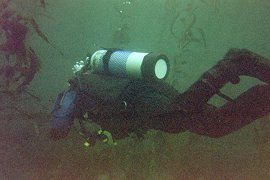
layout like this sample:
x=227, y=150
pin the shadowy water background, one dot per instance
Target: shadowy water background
x=82, y=26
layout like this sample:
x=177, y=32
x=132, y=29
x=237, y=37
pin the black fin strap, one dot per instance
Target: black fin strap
x=224, y=96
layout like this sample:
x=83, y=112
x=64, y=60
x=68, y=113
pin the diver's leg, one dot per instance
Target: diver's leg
x=235, y=63
x=248, y=107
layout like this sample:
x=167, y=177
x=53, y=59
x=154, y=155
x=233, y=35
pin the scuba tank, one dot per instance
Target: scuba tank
x=128, y=64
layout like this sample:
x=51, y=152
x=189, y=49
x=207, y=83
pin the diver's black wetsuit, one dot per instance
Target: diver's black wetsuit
x=169, y=111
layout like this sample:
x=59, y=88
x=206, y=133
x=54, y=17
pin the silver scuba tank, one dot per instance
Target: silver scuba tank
x=147, y=66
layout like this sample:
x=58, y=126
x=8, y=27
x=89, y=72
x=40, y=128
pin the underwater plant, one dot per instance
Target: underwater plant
x=184, y=30
x=121, y=35
x=213, y=3
x=19, y=61
x=190, y=33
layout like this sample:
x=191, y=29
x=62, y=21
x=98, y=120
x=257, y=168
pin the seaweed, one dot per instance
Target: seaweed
x=42, y=3
x=34, y=24
x=212, y=3
x=184, y=29
x=190, y=33
x=121, y=36
x=19, y=61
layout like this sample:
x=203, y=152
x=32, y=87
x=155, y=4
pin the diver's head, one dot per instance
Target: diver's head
x=63, y=114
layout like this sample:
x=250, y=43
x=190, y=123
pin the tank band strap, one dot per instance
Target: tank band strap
x=106, y=59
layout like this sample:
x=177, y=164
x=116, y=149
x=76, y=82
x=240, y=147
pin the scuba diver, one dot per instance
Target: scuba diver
x=125, y=92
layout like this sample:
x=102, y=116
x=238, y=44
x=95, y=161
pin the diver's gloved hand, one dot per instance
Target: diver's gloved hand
x=62, y=114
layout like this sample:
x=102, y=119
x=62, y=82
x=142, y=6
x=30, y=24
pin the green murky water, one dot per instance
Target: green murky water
x=194, y=34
